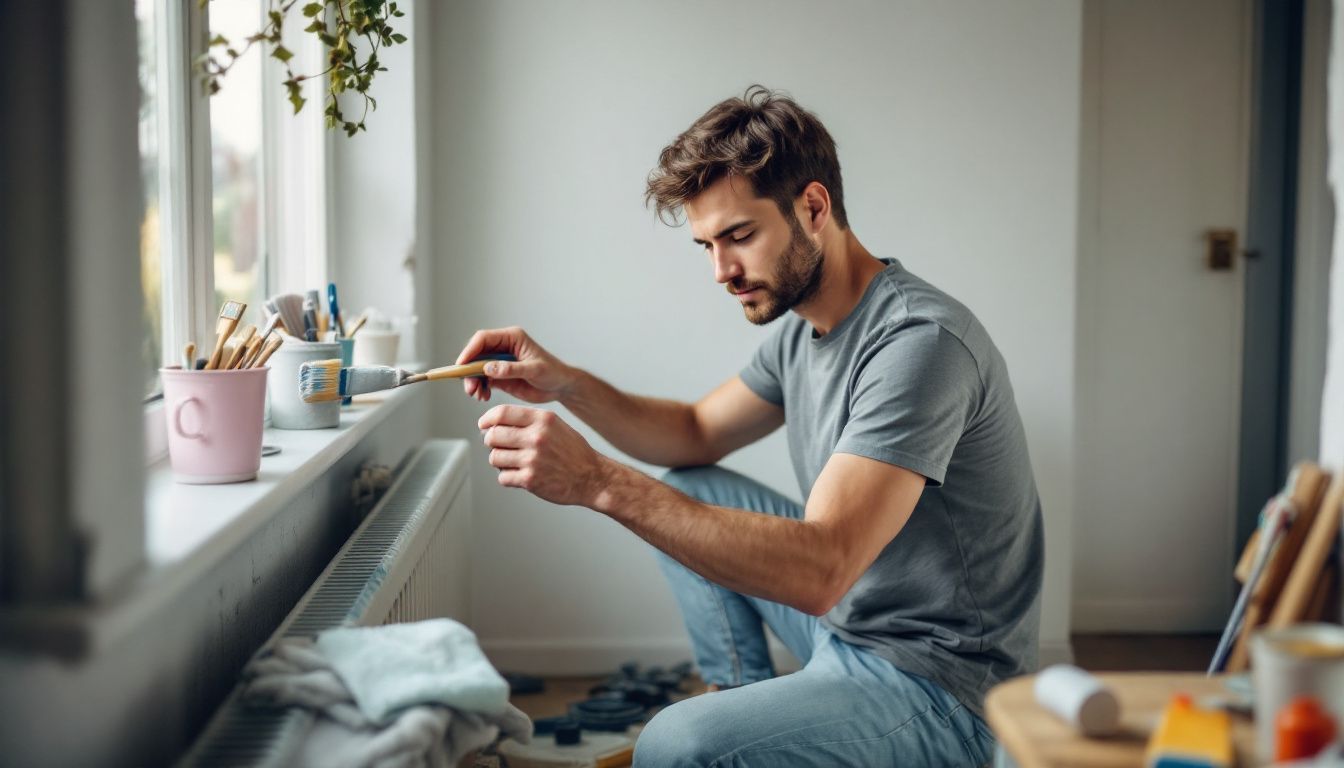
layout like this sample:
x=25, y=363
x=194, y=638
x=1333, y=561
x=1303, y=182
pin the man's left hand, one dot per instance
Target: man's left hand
x=537, y=451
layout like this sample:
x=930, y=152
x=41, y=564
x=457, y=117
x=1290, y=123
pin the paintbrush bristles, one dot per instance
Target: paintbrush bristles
x=320, y=381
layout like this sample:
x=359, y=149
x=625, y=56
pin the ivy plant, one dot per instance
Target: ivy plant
x=352, y=32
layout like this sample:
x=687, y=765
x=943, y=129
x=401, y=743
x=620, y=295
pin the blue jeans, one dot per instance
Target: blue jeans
x=846, y=707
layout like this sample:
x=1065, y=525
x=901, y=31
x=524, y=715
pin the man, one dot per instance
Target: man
x=907, y=584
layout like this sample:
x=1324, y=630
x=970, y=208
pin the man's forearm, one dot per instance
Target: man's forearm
x=653, y=430
x=794, y=562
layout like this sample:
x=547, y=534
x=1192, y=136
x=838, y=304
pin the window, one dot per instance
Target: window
x=235, y=195
x=236, y=164
x=151, y=283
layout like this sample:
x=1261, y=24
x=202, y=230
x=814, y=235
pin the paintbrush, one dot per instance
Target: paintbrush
x=266, y=352
x=324, y=380
x=240, y=347
x=359, y=323
x=335, y=311
x=290, y=308
x=260, y=342
x=229, y=315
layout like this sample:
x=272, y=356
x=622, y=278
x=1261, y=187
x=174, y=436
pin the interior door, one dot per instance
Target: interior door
x=1165, y=157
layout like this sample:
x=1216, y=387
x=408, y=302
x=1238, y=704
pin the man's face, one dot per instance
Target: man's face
x=761, y=256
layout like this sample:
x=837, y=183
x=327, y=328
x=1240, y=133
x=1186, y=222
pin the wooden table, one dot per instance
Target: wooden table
x=1035, y=738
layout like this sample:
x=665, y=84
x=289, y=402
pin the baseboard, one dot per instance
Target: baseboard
x=1056, y=652
x=1145, y=616
x=583, y=656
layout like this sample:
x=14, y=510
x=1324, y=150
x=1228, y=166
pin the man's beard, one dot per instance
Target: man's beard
x=797, y=278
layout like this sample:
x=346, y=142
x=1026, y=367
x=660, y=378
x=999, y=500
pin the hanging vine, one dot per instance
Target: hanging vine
x=352, y=33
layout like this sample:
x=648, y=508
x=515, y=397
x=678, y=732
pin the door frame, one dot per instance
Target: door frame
x=1271, y=235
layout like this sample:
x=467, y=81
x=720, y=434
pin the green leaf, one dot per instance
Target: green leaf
x=400, y=38
x=218, y=40
x=296, y=99
x=312, y=9
x=276, y=18
x=317, y=26
x=282, y=53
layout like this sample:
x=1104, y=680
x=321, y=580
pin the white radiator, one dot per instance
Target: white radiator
x=407, y=561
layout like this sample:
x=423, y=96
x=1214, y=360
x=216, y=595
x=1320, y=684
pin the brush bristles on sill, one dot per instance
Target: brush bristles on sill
x=320, y=381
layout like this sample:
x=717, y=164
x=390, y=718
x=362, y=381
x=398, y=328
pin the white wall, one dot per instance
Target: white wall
x=957, y=125
x=373, y=181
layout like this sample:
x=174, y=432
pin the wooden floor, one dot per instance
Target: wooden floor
x=1097, y=653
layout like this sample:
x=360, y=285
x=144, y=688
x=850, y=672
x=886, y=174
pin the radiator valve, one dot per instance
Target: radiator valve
x=371, y=482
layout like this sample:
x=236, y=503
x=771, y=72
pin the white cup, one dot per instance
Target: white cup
x=374, y=347
x=288, y=411
x=1301, y=660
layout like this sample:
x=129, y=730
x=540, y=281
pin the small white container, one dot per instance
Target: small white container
x=375, y=347
x=288, y=411
x=1301, y=660
x=1079, y=699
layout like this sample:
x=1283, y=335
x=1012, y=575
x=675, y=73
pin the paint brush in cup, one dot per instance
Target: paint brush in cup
x=324, y=380
x=359, y=323
x=240, y=347
x=229, y=315
x=259, y=343
x=266, y=352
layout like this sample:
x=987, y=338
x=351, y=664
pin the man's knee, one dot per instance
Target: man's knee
x=700, y=483
x=687, y=733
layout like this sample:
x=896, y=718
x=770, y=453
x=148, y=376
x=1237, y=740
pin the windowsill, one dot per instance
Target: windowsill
x=185, y=525
x=191, y=529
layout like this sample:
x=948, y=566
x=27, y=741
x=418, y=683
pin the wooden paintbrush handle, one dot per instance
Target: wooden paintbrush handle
x=213, y=362
x=266, y=353
x=475, y=368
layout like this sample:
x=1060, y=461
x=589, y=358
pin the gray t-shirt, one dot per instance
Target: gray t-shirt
x=911, y=378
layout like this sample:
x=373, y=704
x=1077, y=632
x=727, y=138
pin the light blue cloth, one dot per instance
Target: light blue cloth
x=847, y=706
x=393, y=667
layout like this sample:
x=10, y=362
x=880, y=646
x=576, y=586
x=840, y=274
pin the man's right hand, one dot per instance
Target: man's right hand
x=537, y=377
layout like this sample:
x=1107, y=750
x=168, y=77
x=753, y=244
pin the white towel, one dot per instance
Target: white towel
x=422, y=722
x=399, y=665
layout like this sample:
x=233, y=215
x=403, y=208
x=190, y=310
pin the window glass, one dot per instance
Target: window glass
x=151, y=352
x=235, y=138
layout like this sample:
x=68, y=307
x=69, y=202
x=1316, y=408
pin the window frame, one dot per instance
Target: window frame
x=293, y=186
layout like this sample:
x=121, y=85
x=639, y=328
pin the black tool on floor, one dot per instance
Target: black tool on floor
x=520, y=684
x=603, y=714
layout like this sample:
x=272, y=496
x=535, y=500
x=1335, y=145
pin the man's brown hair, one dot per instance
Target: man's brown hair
x=764, y=137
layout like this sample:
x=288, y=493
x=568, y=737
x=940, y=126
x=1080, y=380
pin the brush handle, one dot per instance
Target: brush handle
x=240, y=347
x=474, y=368
x=358, y=324
x=267, y=351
